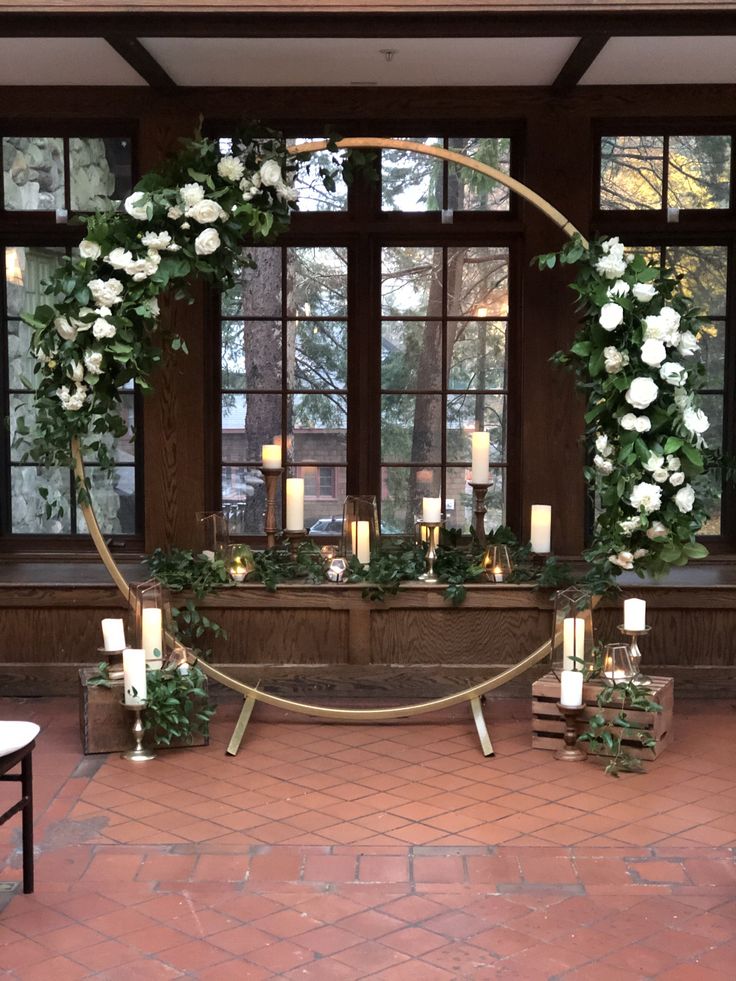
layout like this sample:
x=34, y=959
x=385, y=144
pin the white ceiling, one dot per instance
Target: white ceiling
x=63, y=61
x=342, y=61
x=664, y=61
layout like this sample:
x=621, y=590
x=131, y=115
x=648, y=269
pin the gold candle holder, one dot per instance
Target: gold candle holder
x=635, y=653
x=138, y=754
x=571, y=752
x=479, y=510
x=433, y=531
x=272, y=476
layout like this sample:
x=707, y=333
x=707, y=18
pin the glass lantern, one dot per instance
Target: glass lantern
x=360, y=531
x=617, y=667
x=214, y=532
x=151, y=607
x=572, y=630
x=497, y=563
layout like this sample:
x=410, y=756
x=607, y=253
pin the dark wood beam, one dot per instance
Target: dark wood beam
x=586, y=51
x=142, y=61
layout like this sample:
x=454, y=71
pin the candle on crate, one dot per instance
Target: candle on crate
x=361, y=541
x=541, y=536
x=573, y=643
x=134, y=676
x=431, y=509
x=152, y=634
x=271, y=456
x=635, y=614
x=295, y=504
x=481, y=445
x=113, y=635
x=571, y=689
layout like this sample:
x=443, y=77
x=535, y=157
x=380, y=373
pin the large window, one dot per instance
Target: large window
x=46, y=179
x=372, y=353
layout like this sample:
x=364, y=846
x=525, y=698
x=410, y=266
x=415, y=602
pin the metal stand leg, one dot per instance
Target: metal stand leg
x=27, y=791
x=241, y=725
x=480, y=724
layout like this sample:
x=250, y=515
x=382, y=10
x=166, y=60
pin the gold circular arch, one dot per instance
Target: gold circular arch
x=347, y=714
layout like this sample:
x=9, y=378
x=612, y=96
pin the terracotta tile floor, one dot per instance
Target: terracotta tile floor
x=391, y=851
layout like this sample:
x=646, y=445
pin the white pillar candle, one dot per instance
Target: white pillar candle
x=113, y=635
x=270, y=456
x=134, y=676
x=362, y=547
x=541, y=537
x=295, y=504
x=635, y=614
x=571, y=689
x=573, y=643
x=431, y=509
x=152, y=636
x=481, y=446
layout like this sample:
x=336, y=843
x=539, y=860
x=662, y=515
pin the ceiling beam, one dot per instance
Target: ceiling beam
x=142, y=61
x=586, y=51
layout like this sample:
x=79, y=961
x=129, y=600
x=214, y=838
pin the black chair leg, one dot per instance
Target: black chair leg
x=27, y=790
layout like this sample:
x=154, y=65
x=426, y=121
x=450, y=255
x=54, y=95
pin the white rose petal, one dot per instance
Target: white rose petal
x=673, y=373
x=614, y=360
x=625, y=560
x=655, y=462
x=119, y=258
x=655, y=328
x=688, y=344
x=611, y=316
x=685, y=498
x=89, y=249
x=602, y=445
x=65, y=329
x=642, y=392
x=205, y=212
x=93, y=362
x=673, y=462
x=643, y=424
x=695, y=420
x=174, y=213
x=602, y=465
x=207, y=242
x=156, y=240
x=660, y=476
x=136, y=207
x=101, y=329
x=270, y=173
x=644, y=292
x=75, y=371
x=653, y=353
x=611, y=266
x=106, y=292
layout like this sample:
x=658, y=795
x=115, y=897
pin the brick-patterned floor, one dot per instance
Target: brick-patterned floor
x=392, y=851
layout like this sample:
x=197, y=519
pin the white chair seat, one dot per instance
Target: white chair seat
x=16, y=735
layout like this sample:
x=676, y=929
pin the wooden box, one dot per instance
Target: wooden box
x=105, y=725
x=548, y=725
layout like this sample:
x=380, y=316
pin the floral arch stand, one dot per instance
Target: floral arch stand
x=251, y=694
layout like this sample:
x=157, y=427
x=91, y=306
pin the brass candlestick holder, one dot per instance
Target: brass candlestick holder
x=635, y=653
x=479, y=510
x=114, y=663
x=571, y=751
x=295, y=540
x=138, y=754
x=433, y=528
x=272, y=477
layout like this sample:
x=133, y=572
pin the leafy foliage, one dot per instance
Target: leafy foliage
x=177, y=706
x=605, y=737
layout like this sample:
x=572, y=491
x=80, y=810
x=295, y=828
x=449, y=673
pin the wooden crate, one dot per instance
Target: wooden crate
x=548, y=725
x=104, y=724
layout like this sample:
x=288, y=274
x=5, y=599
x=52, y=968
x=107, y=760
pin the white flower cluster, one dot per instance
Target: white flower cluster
x=73, y=401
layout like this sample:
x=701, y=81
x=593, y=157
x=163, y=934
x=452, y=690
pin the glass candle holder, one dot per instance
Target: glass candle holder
x=360, y=530
x=151, y=607
x=572, y=630
x=617, y=667
x=497, y=563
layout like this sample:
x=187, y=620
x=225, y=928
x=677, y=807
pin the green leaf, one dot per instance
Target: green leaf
x=693, y=454
x=672, y=444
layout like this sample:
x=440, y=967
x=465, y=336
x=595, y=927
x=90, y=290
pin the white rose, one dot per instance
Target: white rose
x=74, y=401
x=106, y=292
x=629, y=525
x=136, y=207
x=643, y=424
x=688, y=344
x=619, y=288
x=270, y=173
x=640, y=553
x=101, y=311
x=670, y=317
x=685, y=498
x=64, y=329
x=286, y=193
x=660, y=476
x=644, y=292
x=205, y=212
x=625, y=560
x=75, y=371
x=695, y=420
x=657, y=530
x=93, y=362
x=646, y=497
x=653, y=353
x=673, y=463
x=602, y=445
x=611, y=266
x=654, y=462
x=101, y=329
x=673, y=373
x=174, y=213
x=207, y=242
x=654, y=328
x=602, y=465
x=89, y=249
x=642, y=392
x=614, y=360
x=230, y=168
x=677, y=479
x=683, y=399
x=611, y=316
x=612, y=245
x=191, y=194
x=119, y=258
x=156, y=240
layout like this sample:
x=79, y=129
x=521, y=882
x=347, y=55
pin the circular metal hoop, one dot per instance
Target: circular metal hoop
x=322, y=711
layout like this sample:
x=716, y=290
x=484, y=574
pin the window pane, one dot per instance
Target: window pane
x=411, y=181
x=312, y=193
x=99, y=172
x=251, y=354
x=324, y=493
x=712, y=338
x=258, y=292
x=459, y=500
x=316, y=282
x=411, y=428
x=123, y=449
x=468, y=413
x=631, y=172
x=33, y=172
x=411, y=282
x=467, y=190
x=408, y=352
x=713, y=408
x=26, y=269
x=244, y=499
x=704, y=269
x=476, y=354
x=318, y=428
x=20, y=361
x=699, y=174
x=249, y=421
x=402, y=490
x=113, y=498
x=321, y=354
x=477, y=282
x=28, y=507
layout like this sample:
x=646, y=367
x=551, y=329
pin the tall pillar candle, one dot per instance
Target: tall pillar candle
x=541, y=536
x=431, y=509
x=134, y=676
x=573, y=643
x=270, y=456
x=635, y=614
x=113, y=635
x=295, y=504
x=363, y=542
x=571, y=689
x=152, y=634
x=481, y=446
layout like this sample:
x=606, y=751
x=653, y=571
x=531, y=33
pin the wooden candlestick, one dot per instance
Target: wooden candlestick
x=271, y=524
x=571, y=752
x=295, y=540
x=479, y=510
